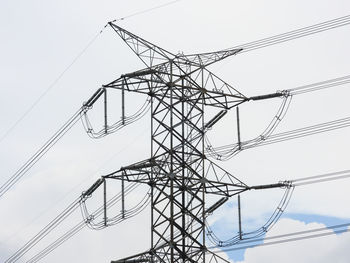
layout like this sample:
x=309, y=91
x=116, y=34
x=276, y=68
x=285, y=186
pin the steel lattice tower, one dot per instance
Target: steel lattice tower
x=180, y=176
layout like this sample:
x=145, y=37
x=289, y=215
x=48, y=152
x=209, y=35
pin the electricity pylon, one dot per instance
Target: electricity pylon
x=180, y=88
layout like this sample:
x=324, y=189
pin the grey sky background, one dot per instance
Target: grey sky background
x=39, y=39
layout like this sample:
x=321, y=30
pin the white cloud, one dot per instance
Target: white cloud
x=326, y=249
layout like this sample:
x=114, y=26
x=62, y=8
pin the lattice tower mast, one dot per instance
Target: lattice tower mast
x=180, y=88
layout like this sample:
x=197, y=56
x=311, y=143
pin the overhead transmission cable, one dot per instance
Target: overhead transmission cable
x=81, y=225
x=74, y=60
x=57, y=243
x=321, y=178
x=240, y=237
x=147, y=10
x=80, y=114
x=290, y=237
x=45, y=231
x=307, y=131
x=61, y=217
x=75, y=187
x=131, y=212
x=40, y=152
x=126, y=120
x=294, y=34
x=51, y=86
x=330, y=83
x=253, y=236
x=226, y=152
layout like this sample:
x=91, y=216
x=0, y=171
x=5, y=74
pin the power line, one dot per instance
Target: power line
x=307, y=131
x=241, y=236
x=53, y=84
x=267, y=137
x=331, y=230
x=133, y=141
x=75, y=59
x=60, y=218
x=248, y=237
x=45, y=231
x=80, y=114
x=228, y=151
x=146, y=10
x=330, y=83
x=294, y=34
x=321, y=178
x=40, y=153
x=57, y=243
x=111, y=128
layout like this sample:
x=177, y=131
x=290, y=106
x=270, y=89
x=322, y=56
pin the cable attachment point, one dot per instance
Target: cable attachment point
x=94, y=98
x=93, y=188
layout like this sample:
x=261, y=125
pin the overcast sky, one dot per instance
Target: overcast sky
x=39, y=39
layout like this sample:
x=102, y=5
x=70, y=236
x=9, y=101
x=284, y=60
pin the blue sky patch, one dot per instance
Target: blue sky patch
x=328, y=221
x=225, y=230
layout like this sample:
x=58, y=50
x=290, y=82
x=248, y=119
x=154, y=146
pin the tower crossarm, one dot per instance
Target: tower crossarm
x=153, y=172
x=156, y=82
x=149, y=53
x=208, y=58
